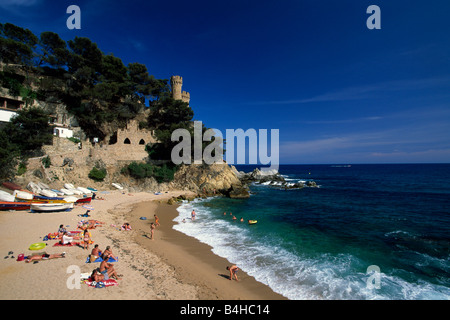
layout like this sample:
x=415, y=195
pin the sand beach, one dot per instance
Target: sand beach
x=172, y=266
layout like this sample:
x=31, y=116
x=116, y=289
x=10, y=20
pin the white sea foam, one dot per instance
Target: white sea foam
x=292, y=274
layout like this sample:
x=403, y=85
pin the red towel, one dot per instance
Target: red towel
x=108, y=283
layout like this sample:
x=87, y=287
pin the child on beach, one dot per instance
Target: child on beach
x=86, y=239
x=156, y=220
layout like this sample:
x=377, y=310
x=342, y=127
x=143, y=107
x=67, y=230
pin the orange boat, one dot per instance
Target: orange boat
x=19, y=206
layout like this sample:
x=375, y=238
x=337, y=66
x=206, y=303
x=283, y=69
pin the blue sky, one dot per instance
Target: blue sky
x=337, y=91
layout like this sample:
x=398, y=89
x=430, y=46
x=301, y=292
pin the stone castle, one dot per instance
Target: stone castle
x=176, y=82
x=128, y=146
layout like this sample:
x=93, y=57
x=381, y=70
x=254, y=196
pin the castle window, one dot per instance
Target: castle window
x=127, y=141
x=142, y=141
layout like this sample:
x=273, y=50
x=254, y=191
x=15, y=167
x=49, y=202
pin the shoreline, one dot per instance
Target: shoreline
x=171, y=267
x=194, y=261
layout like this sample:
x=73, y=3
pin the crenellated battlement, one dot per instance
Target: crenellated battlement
x=176, y=83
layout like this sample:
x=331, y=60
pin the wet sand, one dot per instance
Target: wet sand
x=193, y=261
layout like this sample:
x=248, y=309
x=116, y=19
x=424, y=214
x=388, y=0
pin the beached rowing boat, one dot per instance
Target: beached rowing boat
x=117, y=186
x=23, y=195
x=47, y=193
x=68, y=199
x=69, y=186
x=58, y=192
x=84, y=190
x=51, y=207
x=11, y=186
x=33, y=187
x=84, y=200
x=7, y=197
x=67, y=192
x=18, y=206
x=76, y=192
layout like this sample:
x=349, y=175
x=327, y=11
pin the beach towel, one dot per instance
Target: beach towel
x=107, y=283
x=99, y=259
x=71, y=244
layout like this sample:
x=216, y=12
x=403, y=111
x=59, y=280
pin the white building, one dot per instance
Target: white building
x=6, y=115
x=62, y=132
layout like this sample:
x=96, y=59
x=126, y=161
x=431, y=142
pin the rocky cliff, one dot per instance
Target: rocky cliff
x=215, y=179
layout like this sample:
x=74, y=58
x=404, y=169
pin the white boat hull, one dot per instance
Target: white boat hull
x=67, y=192
x=76, y=192
x=50, y=207
x=33, y=187
x=5, y=196
x=23, y=195
x=84, y=190
x=48, y=193
x=69, y=186
x=118, y=186
x=70, y=199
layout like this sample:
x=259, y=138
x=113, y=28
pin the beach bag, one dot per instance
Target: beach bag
x=21, y=257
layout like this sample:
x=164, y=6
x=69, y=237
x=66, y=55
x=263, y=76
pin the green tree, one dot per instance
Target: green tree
x=167, y=116
x=53, y=50
x=17, y=44
x=9, y=153
x=29, y=131
x=97, y=174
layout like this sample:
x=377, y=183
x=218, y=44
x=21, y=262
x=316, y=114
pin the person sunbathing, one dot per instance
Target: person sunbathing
x=45, y=256
x=89, y=224
x=126, y=226
x=65, y=239
x=108, y=254
x=61, y=230
x=97, y=275
x=108, y=271
x=95, y=254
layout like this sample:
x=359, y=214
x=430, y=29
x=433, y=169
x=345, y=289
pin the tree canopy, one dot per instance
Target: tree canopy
x=97, y=88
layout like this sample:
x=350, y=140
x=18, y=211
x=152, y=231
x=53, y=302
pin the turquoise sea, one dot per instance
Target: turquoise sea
x=318, y=243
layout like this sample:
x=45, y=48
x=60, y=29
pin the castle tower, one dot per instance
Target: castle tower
x=176, y=83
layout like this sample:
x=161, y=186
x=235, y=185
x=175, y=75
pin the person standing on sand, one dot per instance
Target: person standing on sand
x=233, y=270
x=152, y=229
x=86, y=239
x=156, y=220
